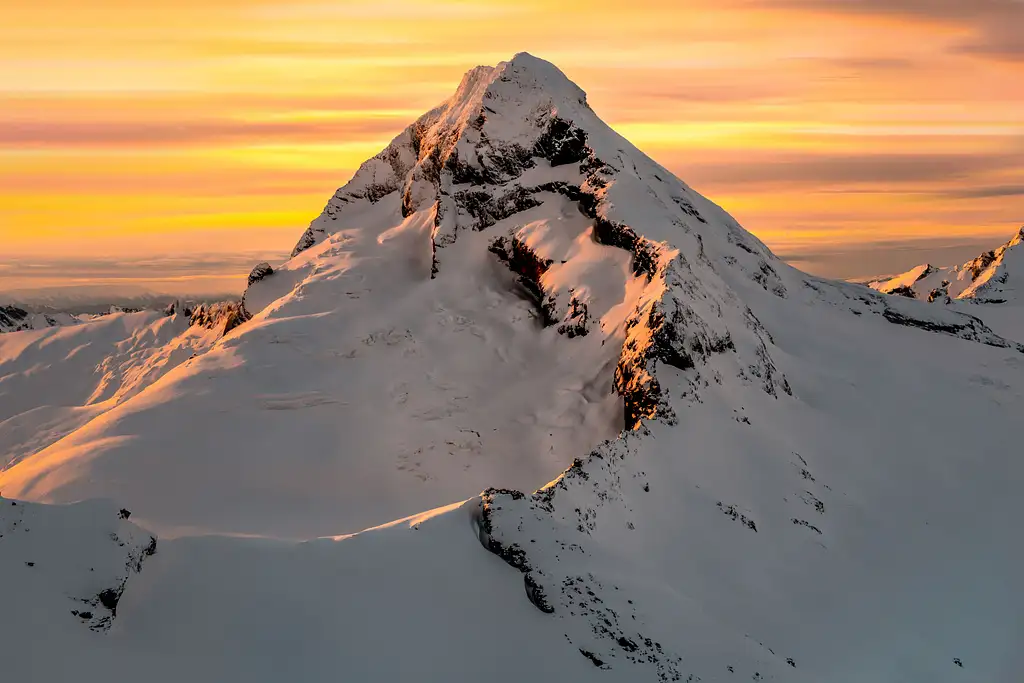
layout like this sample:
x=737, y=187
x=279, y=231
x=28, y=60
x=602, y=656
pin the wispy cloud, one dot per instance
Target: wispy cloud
x=147, y=134
x=826, y=171
x=996, y=24
x=984, y=192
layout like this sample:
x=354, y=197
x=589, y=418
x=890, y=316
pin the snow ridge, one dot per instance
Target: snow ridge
x=988, y=278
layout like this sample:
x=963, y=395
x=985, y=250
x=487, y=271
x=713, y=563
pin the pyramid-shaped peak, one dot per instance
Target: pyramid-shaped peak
x=524, y=64
x=524, y=77
x=534, y=72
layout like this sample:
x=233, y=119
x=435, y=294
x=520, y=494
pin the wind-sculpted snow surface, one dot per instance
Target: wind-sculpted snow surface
x=56, y=379
x=770, y=476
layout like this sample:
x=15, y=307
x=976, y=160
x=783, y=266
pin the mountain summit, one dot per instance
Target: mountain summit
x=488, y=130
x=697, y=463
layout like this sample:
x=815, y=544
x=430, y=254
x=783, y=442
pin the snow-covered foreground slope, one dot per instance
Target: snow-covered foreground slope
x=813, y=482
x=993, y=277
x=55, y=379
x=65, y=567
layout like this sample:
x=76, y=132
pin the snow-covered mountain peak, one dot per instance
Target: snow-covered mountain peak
x=522, y=78
x=991, y=277
x=509, y=294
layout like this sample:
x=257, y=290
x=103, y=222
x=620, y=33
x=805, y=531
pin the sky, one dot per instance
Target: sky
x=855, y=137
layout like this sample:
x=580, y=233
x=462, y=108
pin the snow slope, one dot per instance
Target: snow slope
x=770, y=476
x=992, y=277
x=70, y=564
x=54, y=380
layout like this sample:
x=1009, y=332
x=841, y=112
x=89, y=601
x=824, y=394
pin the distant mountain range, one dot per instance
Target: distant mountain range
x=15, y=319
x=996, y=276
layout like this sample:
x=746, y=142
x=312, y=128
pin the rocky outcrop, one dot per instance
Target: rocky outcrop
x=903, y=290
x=16, y=319
x=78, y=559
x=221, y=317
x=259, y=271
x=179, y=307
x=13, y=319
x=940, y=293
x=530, y=268
x=899, y=311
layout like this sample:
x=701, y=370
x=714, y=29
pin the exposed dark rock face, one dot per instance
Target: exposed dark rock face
x=978, y=265
x=488, y=208
x=575, y=322
x=12, y=319
x=16, y=319
x=940, y=294
x=108, y=598
x=259, y=271
x=530, y=268
x=611, y=629
x=768, y=278
x=805, y=523
x=177, y=306
x=688, y=208
x=562, y=143
x=672, y=333
x=513, y=554
x=737, y=516
x=493, y=195
x=224, y=316
x=613, y=234
x=903, y=290
x=495, y=164
x=310, y=237
x=898, y=311
x=971, y=328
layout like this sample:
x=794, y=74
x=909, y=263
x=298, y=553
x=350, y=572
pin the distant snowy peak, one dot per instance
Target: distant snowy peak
x=222, y=316
x=15, y=319
x=992, y=277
